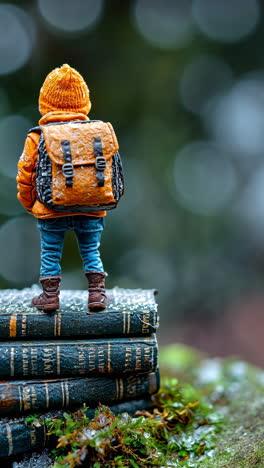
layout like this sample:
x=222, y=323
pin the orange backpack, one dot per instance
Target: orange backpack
x=79, y=168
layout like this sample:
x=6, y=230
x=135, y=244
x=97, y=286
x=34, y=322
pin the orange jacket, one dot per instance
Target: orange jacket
x=27, y=170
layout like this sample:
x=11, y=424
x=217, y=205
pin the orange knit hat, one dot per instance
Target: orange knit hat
x=64, y=89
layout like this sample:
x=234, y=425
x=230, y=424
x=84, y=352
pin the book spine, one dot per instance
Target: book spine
x=17, y=436
x=126, y=322
x=22, y=396
x=78, y=358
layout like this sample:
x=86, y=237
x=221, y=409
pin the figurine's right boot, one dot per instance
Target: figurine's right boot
x=49, y=299
x=96, y=288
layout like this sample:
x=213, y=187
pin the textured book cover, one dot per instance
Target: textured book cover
x=18, y=436
x=41, y=395
x=129, y=312
x=70, y=358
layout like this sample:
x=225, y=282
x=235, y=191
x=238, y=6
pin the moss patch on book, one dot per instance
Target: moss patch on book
x=207, y=414
x=179, y=428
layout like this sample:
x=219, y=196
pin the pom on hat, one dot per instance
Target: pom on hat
x=64, y=89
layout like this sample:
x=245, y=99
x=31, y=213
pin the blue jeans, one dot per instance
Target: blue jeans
x=88, y=230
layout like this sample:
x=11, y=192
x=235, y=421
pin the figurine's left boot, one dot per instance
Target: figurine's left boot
x=50, y=298
x=96, y=287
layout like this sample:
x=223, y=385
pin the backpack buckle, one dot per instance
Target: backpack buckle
x=100, y=163
x=67, y=170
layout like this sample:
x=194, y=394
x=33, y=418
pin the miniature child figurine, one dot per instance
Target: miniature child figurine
x=69, y=174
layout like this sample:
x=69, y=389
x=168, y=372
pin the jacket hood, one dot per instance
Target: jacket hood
x=61, y=116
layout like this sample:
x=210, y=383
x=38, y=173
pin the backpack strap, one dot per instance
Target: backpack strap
x=100, y=161
x=67, y=168
x=35, y=130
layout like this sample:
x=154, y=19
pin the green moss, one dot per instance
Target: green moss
x=212, y=417
x=180, y=427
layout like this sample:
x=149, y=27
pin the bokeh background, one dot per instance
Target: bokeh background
x=182, y=82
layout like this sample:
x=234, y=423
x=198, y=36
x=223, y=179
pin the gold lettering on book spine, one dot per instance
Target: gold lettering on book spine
x=138, y=358
x=47, y=361
x=109, y=369
x=24, y=325
x=12, y=362
x=126, y=322
x=101, y=358
x=145, y=323
x=47, y=394
x=26, y=391
x=128, y=356
x=148, y=354
x=57, y=324
x=34, y=360
x=9, y=439
x=62, y=394
x=13, y=326
x=58, y=359
x=33, y=397
x=67, y=394
x=25, y=361
x=153, y=357
x=132, y=382
x=82, y=360
x=91, y=358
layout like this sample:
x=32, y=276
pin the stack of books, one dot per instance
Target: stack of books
x=69, y=358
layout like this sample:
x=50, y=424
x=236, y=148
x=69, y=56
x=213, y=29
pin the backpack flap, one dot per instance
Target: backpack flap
x=81, y=137
x=81, y=154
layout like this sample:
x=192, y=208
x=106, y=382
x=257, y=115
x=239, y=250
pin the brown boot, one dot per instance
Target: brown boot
x=49, y=299
x=96, y=289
